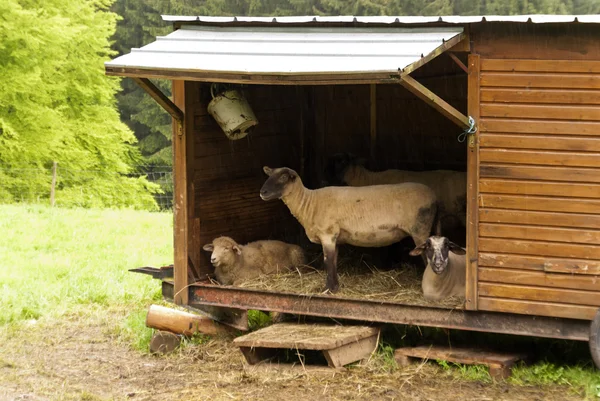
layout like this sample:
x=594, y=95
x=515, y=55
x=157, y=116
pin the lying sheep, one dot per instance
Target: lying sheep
x=235, y=263
x=373, y=216
x=450, y=187
x=445, y=273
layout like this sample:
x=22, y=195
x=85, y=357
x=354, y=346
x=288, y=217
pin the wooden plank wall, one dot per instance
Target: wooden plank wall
x=227, y=175
x=539, y=204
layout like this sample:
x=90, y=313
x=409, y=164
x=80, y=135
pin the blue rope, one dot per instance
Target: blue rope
x=468, y=131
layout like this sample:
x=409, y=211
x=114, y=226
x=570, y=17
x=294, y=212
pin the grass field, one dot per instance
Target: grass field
x=61, y=267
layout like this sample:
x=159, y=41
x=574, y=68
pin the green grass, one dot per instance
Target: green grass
x=73, y=262
x=62, y=261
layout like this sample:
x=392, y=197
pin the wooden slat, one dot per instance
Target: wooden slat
x=540, y=294
x=537, y=308
x=305, y=336
x=547, y=112
x=540, y=203
x=539, y=127
x=549, y=96
x=520, y=65
x=180, y=199
x=573, y=235
x=568, y=174
x=540, y=80
x=373, y=122
x=473, y=105
x=541, y=279
x=572, y=159
x=461, y=37
x=537, y=41
x=540, y=142
x=541, y=248
x=500, y=186
x=562, y=265
x=539, y=218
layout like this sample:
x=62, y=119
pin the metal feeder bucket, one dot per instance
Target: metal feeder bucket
x=233, y=113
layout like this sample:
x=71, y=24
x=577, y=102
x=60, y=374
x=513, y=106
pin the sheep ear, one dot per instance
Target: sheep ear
x=208, y=247
x=456, y=249
x=268, y=170
x=237, y=249
x=418, y=250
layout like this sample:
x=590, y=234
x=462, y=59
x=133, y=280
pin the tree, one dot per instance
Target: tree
x=57, y=104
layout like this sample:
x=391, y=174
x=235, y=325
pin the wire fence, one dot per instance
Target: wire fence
x=53, y=185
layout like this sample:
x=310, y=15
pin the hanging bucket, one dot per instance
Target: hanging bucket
x=232, y=112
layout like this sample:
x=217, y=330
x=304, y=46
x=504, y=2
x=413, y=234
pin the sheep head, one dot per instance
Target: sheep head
x=279, y=182
x=436, y=250
x=224, y=250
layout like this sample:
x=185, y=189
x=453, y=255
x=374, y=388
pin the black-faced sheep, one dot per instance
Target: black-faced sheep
x=450, y=187
x=445, y=273
x=235, y=263
x=373, y=216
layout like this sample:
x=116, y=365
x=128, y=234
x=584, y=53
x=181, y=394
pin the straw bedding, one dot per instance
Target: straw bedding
x=358, y=279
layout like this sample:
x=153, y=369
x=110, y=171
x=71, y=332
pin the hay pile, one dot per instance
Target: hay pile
x=358, y=279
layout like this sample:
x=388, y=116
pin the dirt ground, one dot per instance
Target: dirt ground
x=79, y=359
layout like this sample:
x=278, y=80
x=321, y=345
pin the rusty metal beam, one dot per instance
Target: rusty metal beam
x=387, y=312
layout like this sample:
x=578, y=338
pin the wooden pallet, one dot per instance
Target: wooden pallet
x=500, y=364
x=340, y=345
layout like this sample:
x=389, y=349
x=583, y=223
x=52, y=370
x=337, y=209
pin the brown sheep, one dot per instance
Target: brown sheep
x=450, y=187
x=373, y=216
x=235, y=263
x=445, y=274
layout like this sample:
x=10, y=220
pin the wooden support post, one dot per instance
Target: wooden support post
x=162, y=100
x=185, y=323
x=472, y=187
x=373, y=104
x=452, y=42
x=164, y=342
x=351, y=352
x=53, y=185
x=180, y=203
x=435, y=101
x=458, y=62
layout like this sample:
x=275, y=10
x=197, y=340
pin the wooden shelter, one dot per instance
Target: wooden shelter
x=525, y=88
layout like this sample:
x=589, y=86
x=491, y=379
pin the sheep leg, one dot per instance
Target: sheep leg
x=330, y=253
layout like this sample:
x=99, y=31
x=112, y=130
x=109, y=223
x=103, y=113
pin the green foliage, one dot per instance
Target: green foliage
x=258, y=319
x=56, y=104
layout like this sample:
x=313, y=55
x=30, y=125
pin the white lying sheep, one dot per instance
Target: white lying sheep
x=450, y=187
x=373, y=216
x=235, y=263
x=445, y=274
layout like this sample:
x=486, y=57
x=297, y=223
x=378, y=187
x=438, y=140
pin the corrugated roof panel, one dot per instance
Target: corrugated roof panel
x=272, y=50
x=452, y=19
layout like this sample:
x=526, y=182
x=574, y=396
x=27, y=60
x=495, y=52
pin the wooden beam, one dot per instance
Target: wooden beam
x=373, y=116
x=458, y=62
x=435, y=101
x=439, y=50
x=161, y=99
x=180, y=201
x=473, y=106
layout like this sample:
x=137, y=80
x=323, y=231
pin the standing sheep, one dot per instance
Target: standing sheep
x=445, y=274
x=235, y=263
x=450, y=187
x=373, y=216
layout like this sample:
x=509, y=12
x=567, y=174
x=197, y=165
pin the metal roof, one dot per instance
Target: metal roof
x=290, y=50
x=451, y=19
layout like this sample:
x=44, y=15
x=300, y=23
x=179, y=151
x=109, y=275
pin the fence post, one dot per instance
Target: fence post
x=54, y=164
